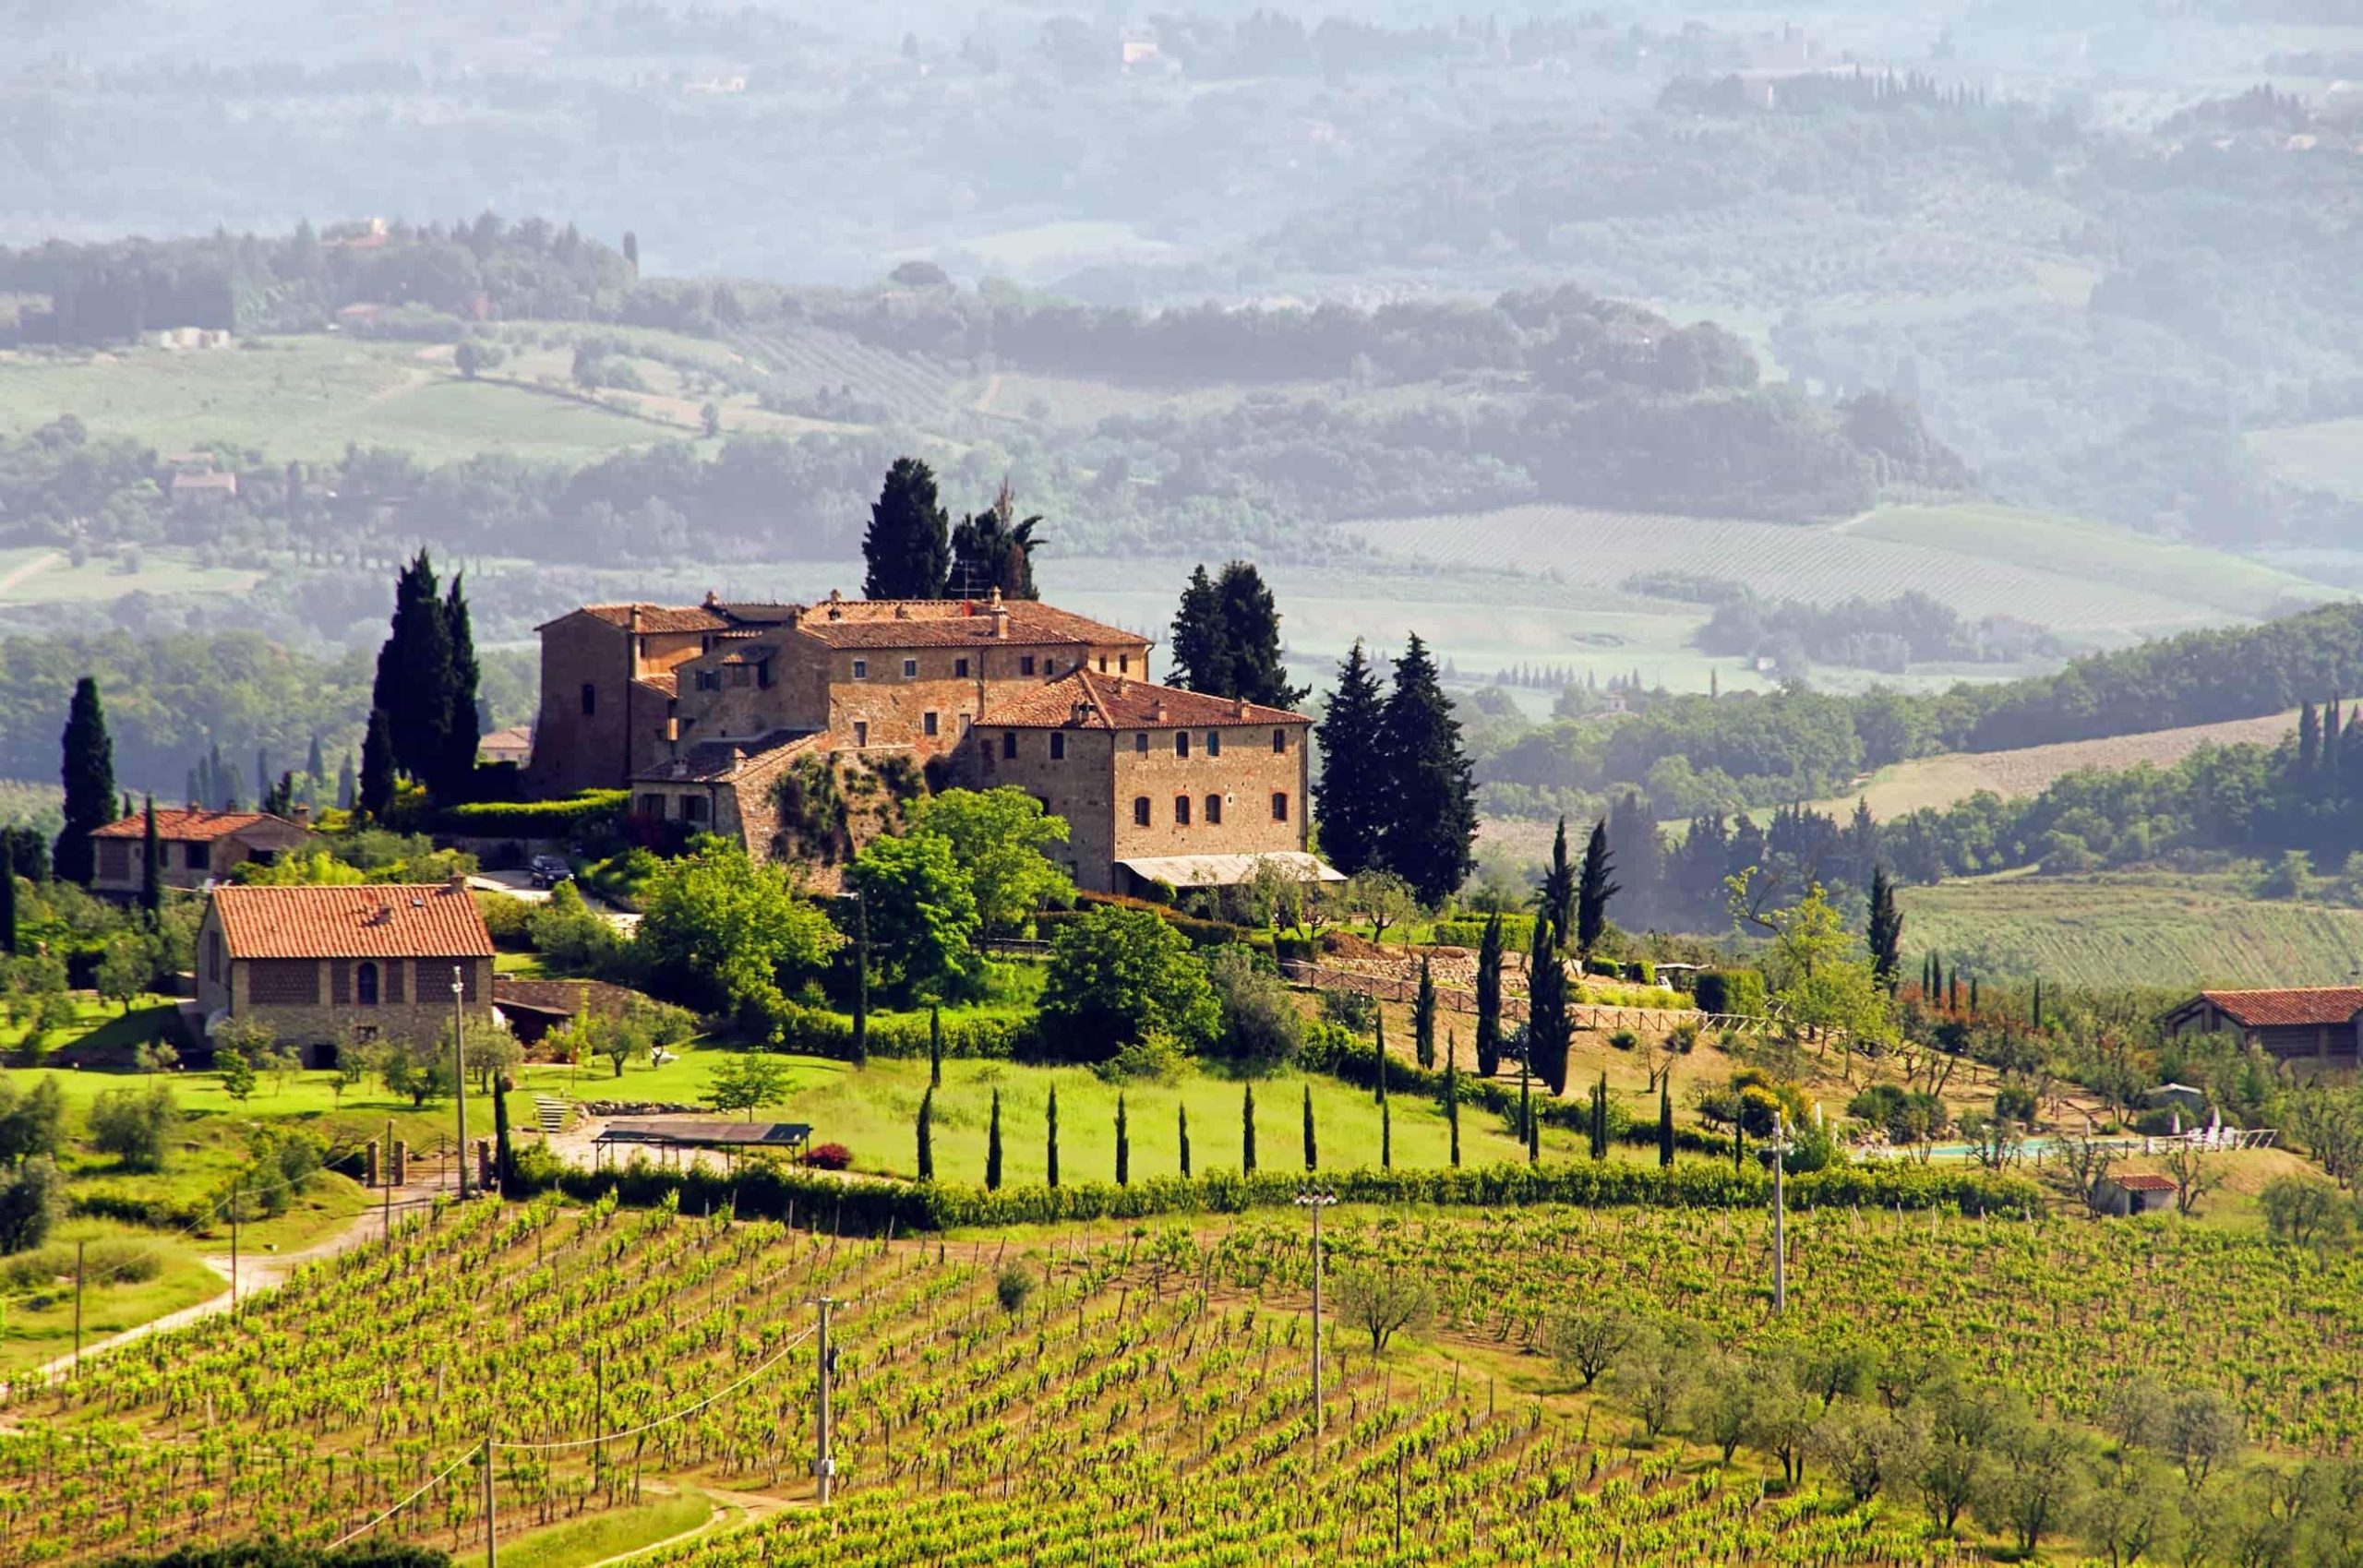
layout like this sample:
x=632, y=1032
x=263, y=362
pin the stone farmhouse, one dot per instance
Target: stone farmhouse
x=322, y=965
x=193, y=848
x=705, y=713
x=2313, y=1024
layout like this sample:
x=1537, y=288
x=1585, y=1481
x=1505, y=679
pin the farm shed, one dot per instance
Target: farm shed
x=2315, y=1023
x=2133, y=1194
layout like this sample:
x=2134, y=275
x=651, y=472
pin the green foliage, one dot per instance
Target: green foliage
x=747, y=1081
x=1116, y=974
x=1738, y=993
x=573, y=939
x=923, y=917
x=135, y=1126
x=998, y=837
x=1227, y=639
x=723, y=933
x=32, y=1197
x=591, y=814
x=89, y=773
x=1261, y=1029
x=1425, y=781
x=1353, y=809
x=908, y=546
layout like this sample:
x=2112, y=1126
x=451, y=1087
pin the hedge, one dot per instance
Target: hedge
x=873, y=1207
x=1201, y=933
x=154, y=1210
x=1517, y=933
x=270, y=1552
x=1739, y=992
x=593, y=810
x=985, y=1037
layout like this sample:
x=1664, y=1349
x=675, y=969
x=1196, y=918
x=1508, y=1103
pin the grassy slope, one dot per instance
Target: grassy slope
x=1940, y=781
x=2327, y=454
x=2132, y=927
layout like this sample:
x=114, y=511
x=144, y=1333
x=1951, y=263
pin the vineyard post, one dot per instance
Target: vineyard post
x=385, y=1173
x=77, y=1309
x=1316, y=1199
x=823, y=1465
x=233, y=1243
x=491, y=1558
x=460, y=1064
x=1779, y=1214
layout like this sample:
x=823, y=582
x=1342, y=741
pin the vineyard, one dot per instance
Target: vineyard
x=808, y=359
x=1113, y=1395
x=2087, y=594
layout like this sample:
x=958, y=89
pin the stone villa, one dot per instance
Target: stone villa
x=704, y=711
x=194, y=847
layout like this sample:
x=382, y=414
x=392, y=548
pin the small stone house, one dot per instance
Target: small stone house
x=318, y=966
x=195, y=847
x=2136, y=1194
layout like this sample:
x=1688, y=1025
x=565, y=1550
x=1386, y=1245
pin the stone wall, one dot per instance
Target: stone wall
x=577, y=751
x=414, y=996
x=1078, y=786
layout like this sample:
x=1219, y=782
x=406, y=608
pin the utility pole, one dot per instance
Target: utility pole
x=824, y=1466
x=1780, y=1222
x=234, y=1185
x=460, y=1061
x=1316, y=1199
x=491, y=1552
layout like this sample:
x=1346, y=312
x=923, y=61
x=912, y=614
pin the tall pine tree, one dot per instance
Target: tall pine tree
x=1489, y=998
x=414, y=676
x=1200, y=646
x=1547, y=1028
x=1556, y=897
x=993, y=549
x=463, y=727
x=1251, y=629
x=1595, y=887
x=151, y=870
x=1885, y=934
x=375, y=792
x=926, y=1135
x=1431, y=798
x=1351, y=792
x=88, y=772
x=908, y=544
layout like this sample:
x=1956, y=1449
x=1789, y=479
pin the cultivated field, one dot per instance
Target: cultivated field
x=2085, y=587
x=1940, y=781
x=2327, y=454
x=2131, y=929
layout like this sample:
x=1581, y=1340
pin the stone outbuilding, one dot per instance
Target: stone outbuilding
x=2136, y=1194
x=319, y=966
x=194, y=847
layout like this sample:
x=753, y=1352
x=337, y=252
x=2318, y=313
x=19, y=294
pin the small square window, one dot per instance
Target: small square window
x=1214, y=811
x=1057, y=745
x=960, y=669
x=1025, y=663
x=927, y=722
x=1103, y=664
x=861, y=669
x=1140, y=743
x=1123, y=663
x=861, y=732
x=910, y=669
x=1214, y=743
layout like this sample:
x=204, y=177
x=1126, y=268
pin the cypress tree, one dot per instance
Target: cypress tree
x=908, y=544
x=377, y=788
x=1885, y=931
x=1251, y=638
x=1452, y=1101
x=1593, y=889
x=1600, y=1118
x=934, y=1044
x=414, y=676
x=1053, y=1127
x=1534, y=1140
x=152, y=873
x=992, y=1147
x=1387, y=1137
x=1423, y=1018
x=463, y=727
x=2309, y=738
x=1665, y=1122
x=927, y=1136
x=1247, y=1130
x=344, y=784
x=1378, y=1068
x=1972, y=996
x=1429, y=794
x=1489, y=998
x=9, y=909
x=87, y=769
x=1952, y=991
x=1526, y=1089
x=314, y=765
x=1547, y=1025
x=1352, y=791
x=1184, y=1113
x=1312, y=1150
x=861, y=988
x=1556, y=899
x=1199, y=650
x=1123, y=1144
x=504, y=1158
x=2038, y=1001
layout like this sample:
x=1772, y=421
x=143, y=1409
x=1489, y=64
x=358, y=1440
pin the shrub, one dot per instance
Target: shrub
x=119, y=1259
x=1350, y=1010
x=591, y=812
x=812, y=1031
x=1736, y=992
x=1623, y=1039
x=32, y=1196
x=1261, y=1027
x=508, y=920
x=2016, y=1102
x=134, y=1125
x=1012, y=1287
x=829, y=1156
x=1517, y=933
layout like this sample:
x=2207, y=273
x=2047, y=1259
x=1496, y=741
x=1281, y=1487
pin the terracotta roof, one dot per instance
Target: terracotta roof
x=389, y=920
x=516, y=738
x=712, y=761
x=2288, y=1009
x=954, y=623
x=566, y=997
x=1088, y=700
x=187, y=826
x=665, y=683
x=657, y=618
x=2146, y=1184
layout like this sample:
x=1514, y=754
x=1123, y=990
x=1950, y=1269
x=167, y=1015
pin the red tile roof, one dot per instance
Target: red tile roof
x=2288, y=1009
x=2146, y=1184
x=1086, y=700
x=658, y=617
x=389, y=920
x=954, y=623
x=186, y=826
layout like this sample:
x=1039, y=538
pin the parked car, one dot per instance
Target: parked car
x=549, y=870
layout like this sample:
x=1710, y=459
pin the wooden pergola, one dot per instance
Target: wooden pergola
x=671, y=1135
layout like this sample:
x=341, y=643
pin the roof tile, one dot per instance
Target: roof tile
x=194, y=826
x=384, y=920
x=2292, y=1008
x=954, y=623
x=1086, y=700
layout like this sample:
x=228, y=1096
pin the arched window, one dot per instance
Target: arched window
x=1140, y=810
x=1214, y=811
x=1180, y=810
x=365, y=985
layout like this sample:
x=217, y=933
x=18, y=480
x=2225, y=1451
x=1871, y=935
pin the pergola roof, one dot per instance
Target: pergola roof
x=707, y=1133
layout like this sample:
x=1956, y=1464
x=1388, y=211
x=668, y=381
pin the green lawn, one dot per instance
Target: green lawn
x=579, y=1542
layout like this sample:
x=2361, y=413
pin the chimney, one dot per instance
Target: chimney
x=712, y=598
x=1000, y=613
x=1157, y=711
x=459, y=882
x=1240, y=709
x=303, y=815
